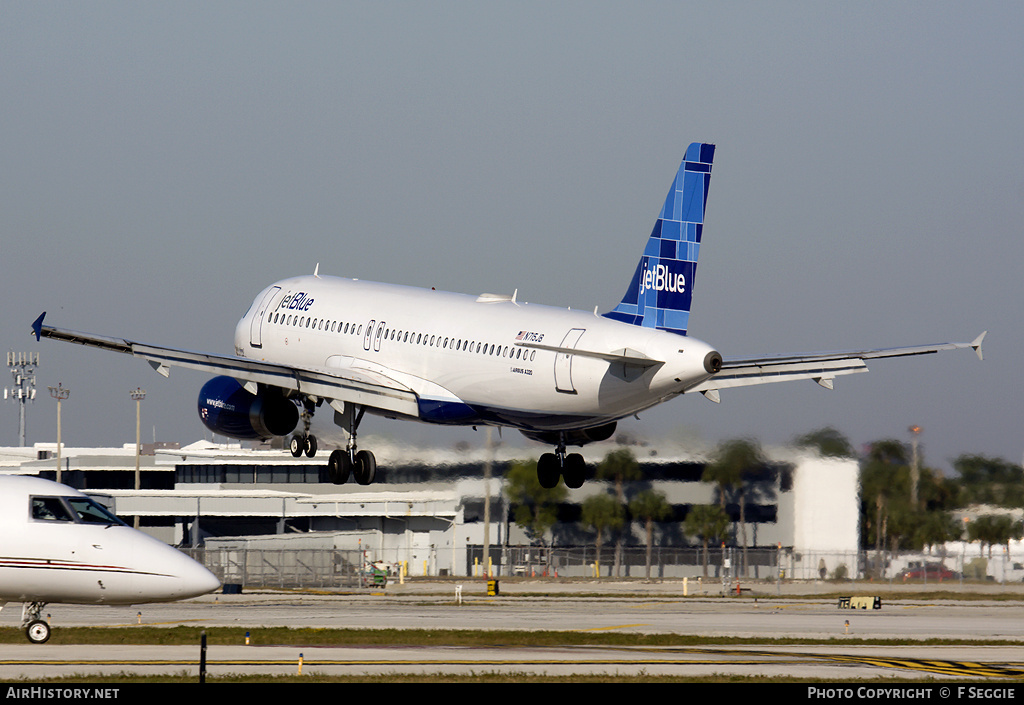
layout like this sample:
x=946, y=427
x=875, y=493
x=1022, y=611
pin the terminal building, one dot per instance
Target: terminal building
x=428, y=509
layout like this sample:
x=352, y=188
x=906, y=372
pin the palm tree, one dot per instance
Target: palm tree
x=707, y=522
x=601, y=511
x=732, y=460
x=994, y=530
x=651, y=506
x=828, y=442
x=535, y=508
x=619, y=466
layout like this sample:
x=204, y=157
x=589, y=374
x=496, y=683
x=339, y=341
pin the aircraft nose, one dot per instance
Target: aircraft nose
x=195, y=579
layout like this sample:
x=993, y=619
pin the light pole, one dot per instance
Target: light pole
x=60, y=393
x=23, y=370
x=915, y=465
x=138, y=394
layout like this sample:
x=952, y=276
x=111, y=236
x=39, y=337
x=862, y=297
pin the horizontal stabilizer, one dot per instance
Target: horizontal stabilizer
x=822, y=367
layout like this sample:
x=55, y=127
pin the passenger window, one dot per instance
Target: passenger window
x=49, y=509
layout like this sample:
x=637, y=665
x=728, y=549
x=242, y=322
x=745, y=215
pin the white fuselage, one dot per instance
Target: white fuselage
x=483, y=353
x=62, y=561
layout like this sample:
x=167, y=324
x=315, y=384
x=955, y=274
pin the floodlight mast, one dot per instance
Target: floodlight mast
x=23, y=371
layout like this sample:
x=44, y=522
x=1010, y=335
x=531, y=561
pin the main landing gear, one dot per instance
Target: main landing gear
x=572, y=468
x=362, y=465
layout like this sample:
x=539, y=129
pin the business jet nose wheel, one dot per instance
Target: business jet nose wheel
x=38, y=631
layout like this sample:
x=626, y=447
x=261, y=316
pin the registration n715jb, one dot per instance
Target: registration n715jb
x=559, y=376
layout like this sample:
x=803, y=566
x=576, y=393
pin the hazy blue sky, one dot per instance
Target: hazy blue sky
x=162, y=162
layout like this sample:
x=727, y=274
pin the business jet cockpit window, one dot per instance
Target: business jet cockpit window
x=90, y=511
x=80, y=510
x=49, y=509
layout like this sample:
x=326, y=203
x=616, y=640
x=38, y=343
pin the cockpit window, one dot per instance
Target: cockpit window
x=49, y=509
x=71, y=509
x=91, y=512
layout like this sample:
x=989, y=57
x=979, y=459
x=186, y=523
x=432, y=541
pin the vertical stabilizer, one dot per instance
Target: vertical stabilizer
x=659, y=294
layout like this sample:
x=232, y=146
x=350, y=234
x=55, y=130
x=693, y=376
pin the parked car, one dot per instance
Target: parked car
x=929, y=571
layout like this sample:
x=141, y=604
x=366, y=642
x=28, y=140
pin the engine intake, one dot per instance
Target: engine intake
x=227, y=408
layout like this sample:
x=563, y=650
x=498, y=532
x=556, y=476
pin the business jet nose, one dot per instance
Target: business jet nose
x=198, y=581
x=192, y=578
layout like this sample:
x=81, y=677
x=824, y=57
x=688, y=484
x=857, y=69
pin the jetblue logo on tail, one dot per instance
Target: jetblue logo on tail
x=659, y=293
x=659, y=278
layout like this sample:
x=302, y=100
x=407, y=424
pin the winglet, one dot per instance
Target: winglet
x=37, y=325
x=976, y=345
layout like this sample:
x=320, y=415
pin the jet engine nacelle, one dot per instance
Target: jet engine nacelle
x=227, y=408
x=579, y=437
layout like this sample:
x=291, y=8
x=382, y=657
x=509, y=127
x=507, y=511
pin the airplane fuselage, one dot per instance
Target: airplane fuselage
x=472, y=360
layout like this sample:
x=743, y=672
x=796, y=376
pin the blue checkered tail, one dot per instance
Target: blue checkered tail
x=662, y=286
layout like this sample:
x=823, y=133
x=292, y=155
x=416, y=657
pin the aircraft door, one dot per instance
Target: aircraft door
x=369, y=334
x=380, y=332
x=259, y=315
x=563, y=362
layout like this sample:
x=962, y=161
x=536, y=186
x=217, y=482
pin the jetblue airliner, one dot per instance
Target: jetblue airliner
x=559, y=376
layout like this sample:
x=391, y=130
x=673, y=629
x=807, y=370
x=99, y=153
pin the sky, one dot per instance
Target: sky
x=163, y=162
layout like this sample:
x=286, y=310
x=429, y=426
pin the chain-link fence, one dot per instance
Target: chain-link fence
x=335, y=568
x=287, y=568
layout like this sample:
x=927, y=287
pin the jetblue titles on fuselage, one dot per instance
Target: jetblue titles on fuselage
x=299, y=301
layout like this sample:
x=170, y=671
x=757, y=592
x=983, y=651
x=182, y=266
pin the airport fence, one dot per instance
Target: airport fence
x=342, y=568
x=287, y=568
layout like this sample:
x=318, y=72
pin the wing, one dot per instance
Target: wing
x=821, y=367
x=357, y=386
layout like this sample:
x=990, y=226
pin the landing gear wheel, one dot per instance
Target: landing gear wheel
x=548, y=470
x=297, y=445
x=365, y=468
x=574, y=472
x=339, y=467
x=310, y=446
x=37, y=631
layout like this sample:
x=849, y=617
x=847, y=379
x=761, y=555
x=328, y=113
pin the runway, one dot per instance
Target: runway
x=570, y=611
x=831, y=664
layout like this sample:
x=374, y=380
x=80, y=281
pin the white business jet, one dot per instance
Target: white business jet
x=61, y=546
x=559, y=376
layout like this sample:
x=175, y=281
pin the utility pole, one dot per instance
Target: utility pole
x=138, y=394
x=60, y=393
x=23, y=370
x=487, y=506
